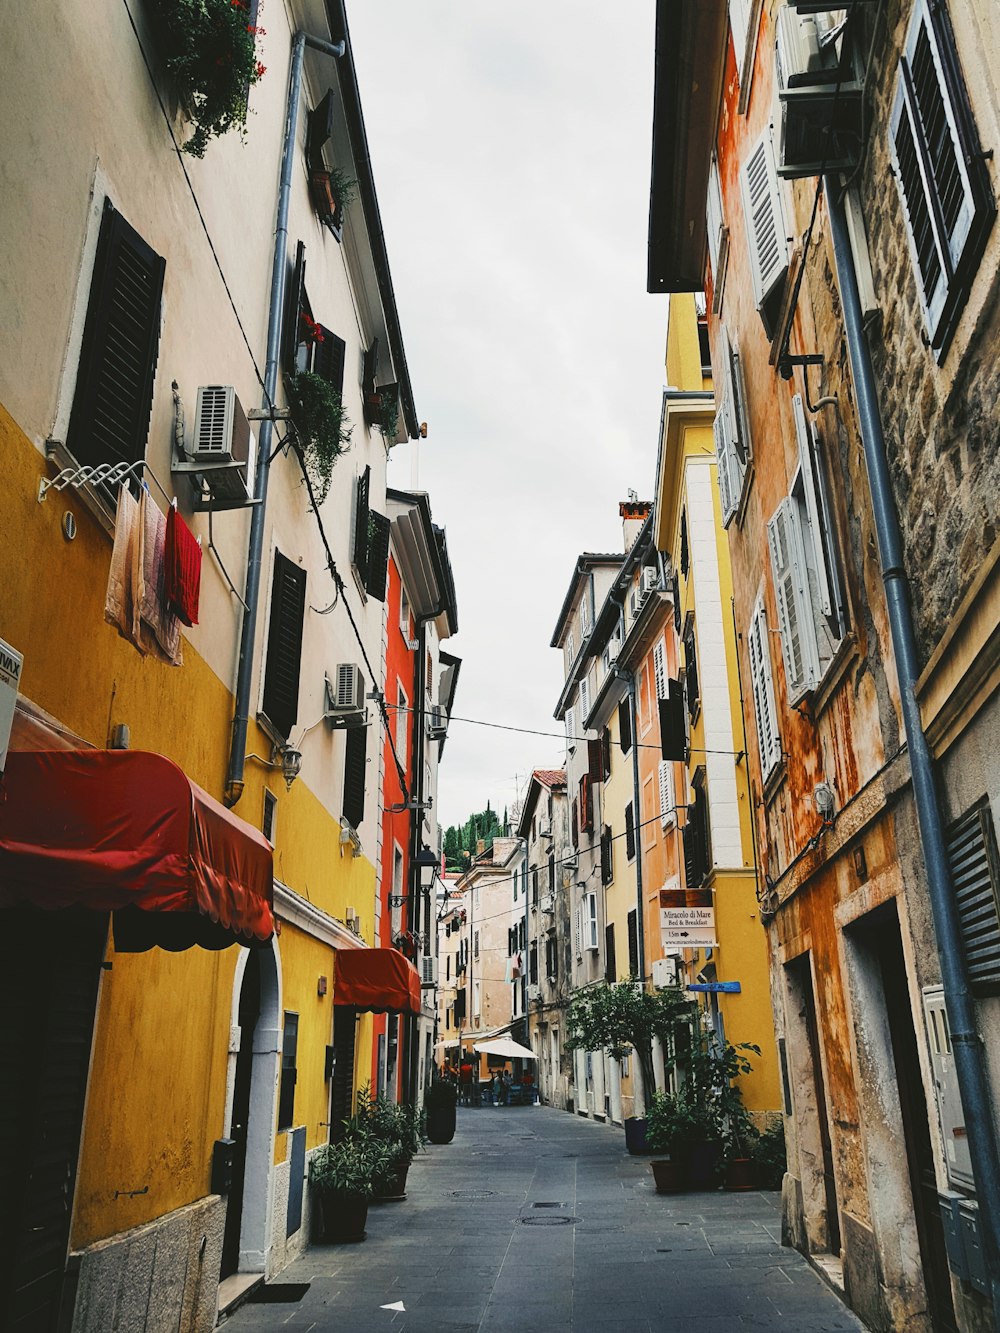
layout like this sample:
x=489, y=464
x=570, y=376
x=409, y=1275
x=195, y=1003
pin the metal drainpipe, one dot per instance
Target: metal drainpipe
x=967, y=1044
x=244, y=673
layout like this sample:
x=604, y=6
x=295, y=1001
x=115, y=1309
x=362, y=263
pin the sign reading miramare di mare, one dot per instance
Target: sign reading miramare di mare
x=687, y=919
x=11, y=662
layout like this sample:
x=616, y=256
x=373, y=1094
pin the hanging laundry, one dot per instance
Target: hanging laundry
x=120, y=607
x=161, y=629
x=182, y=569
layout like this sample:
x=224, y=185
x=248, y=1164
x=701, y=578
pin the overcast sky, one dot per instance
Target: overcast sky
x=511, y=150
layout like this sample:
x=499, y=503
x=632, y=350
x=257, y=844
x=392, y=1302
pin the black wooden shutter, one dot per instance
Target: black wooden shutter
x=610, y=965
x=625, y=726
x=361, y=524
x=354, y=775
x=691, y=671
x=975, y=870
x=606, y=855
x=378, y=555
x=574, y=828
x=677, y=602
x=684, y=543
x=606, y=753
x=673, y=733
x=342, y=1094
x=109, y=422
x=595, y=764
x=293, y=309
x=629, y=831
x=284, y=644
x=320, y=129
x=533, y=963
x=329, y=358
x=633, y=944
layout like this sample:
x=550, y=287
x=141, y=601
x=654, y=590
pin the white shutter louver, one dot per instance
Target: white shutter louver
x=768, y=739
x=665, y=778
x=722, y=458
x=660, y=669
x=798, y=638
x=716, y=218
x=578, y=931
x=803, y=435
x=584, y=699
x=732, y=437
x=764, y=218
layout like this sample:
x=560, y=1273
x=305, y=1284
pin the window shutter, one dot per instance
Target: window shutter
x=606, y=754
x=665, y=779
x=610, y=965
x=794, y=612
x=575, y=824
x=289, y=1073
x=624, y=726
x=284, y=644
x=729, y=506
x=361, y=524
x=768, y=739
x=732, y=438
x=691, y=672
x=294, y=306
x=578, y=930
x=629, y=831
x=570, y=730
x=975, y=870
x=586, y=805
x=320, y=130
x=676, y=593
x=673, y=730
x=594, y=760
x=633, y=944
x=764, y=219
x=354, y=775
x=378, y=555
x=114, y=386
x=739, y=21
x=683, y=561
x=660, y=669
x=329, y=357
x=716, y=218
x=584, y=699
x=607, y=851
x=804, y=437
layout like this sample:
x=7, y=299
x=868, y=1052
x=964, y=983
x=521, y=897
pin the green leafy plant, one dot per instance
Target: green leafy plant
x=714, y=1067
x=440, y=1094
x=399, y=1126
x=624, y=1017
x=768, y=1153
x=672, y=1119
x=387, y=415
x=322, y=427
x=210, y=50
x=353, y=1168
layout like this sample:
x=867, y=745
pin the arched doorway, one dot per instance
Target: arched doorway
x=257, y=1017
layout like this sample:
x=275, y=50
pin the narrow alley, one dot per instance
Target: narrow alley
x=535, y=1219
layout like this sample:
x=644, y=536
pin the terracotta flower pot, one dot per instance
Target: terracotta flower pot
x=741, y=1174
x=341, y=1218
x=668, y=1176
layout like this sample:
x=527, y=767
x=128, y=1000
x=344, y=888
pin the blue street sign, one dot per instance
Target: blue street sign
x=727, y=987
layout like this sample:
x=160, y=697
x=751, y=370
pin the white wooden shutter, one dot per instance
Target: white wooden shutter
x=578, y=930
x=798, y=637
x=660, y=669
x=739, y=21
x=722, y=458
x=732, y=438
x=584, y=698
x=716, y=218
x=768, y=739
x=570, y=729
x=765, y=223
x=803, y=435
x=665, y=778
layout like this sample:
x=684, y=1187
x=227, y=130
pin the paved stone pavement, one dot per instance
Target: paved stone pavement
x=470, y=1250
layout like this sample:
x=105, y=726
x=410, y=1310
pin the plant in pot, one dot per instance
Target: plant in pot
x=623, y=1017
x=671, y=1120
x=768, y=1151
x=400, y=1128
x=725, y=1129
x=332, y=192
x=322, y=427
x=381, y=408
x=440, y=1100
x=210, y=51
x=343, y=1178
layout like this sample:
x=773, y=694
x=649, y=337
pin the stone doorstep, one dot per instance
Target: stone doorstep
x=831, y=1270
x=236, y=1289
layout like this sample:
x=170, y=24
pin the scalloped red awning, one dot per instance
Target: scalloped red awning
x=129, y=832
x=378, y=981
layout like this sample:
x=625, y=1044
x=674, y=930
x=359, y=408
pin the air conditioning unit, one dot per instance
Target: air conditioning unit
x=353, y=920
x=650, y=579
x=437, y=722
x=534, y=992
x=820, y=89
x=548, y=903
x=545, y=828
x=665, y=972
x=614, y=648
x=428, y=972
x=345, y=696
x=222, y=436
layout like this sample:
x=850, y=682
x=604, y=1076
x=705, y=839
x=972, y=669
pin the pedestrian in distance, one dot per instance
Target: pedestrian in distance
x=508, y=1084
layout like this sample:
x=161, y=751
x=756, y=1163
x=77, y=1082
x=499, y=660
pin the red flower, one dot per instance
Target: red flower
x=261, y=70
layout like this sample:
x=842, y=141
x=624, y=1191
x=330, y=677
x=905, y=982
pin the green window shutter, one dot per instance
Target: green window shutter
x=354, y=775
x=109, y=422
x=284, y=644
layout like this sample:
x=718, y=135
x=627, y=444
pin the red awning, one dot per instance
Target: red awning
x=381, y=981
x=127, y=831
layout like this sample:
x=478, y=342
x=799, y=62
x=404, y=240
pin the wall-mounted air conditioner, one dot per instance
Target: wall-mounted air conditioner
x=614, y=648
x=345, y=696
x=650, y=579
x=436, y=719
x=222, y=443
x=534, y=992
x=548, y=903
x=428, y=972
x=820, y=87
x=545, y=828
x=665, y=972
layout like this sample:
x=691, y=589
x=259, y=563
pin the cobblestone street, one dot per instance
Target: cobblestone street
x=535, y=1219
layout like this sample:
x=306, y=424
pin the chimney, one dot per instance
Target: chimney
x=480, y=846
x=634, y=513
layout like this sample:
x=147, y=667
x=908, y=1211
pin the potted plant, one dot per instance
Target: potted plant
x=322, y=428
x=332, y=191
x=400, y=1128
x=440, y=1100
x=768, y=1152
x=723, y=1126
x=343, y=1177
x=670, y=1122
x=623, y=1017
x=210, y=51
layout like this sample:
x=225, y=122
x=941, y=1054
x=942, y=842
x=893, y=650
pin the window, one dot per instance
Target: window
x=397, y=890
x=475, y=944
x=665, y=778
x=697, y=854
x=284, y=645
x=610, y=966
x=270, y=818
x=605, y=754
x=109, y=422
x=402, y=724
x=404, y=615
x=691, y=685
x=308, y=344
x=766, y=231
x=942, y=179
x=371, y=540
x=732, y=434
x=585, y=611
x=660, y=668
x=289, y=1074
x=768, y=739
x=673, y=724
x=586, y=805
x=590, y=939
x=552, y=872
x=633, y=944
x=533, y=963
x=475, y=999
x=811, y=617
x=570, y=730
x=607, y=855
x=629, y=832
x=534, y=886
x=354, y=775
x=552, y=958
x=570, y=651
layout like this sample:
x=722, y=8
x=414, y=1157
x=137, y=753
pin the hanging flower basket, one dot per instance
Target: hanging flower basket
x=382, y=411
x=322, y=428
x=210, y=49
x=332, y=191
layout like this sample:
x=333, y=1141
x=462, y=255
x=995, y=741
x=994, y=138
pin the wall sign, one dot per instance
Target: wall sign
x=11, y=663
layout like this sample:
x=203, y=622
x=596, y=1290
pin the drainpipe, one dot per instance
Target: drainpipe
x=276, y=306
x=970, y=1065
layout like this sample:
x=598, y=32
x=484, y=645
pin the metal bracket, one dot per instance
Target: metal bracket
x=269, y=414
x=787, y=363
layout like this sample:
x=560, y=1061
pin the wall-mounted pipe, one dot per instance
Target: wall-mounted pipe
x=275, y=316
x=967, y=1045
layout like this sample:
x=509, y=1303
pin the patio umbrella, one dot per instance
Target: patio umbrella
x=505, y=1046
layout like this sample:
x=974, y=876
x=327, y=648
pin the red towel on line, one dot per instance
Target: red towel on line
x=182, y=582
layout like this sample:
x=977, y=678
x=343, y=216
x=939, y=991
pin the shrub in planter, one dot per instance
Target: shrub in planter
x=322, y=428
x=400, y=1128
x=671, y=1121
x=440, y=1100
x=769, y=1154
x=210, y=51
x=343, y=1177
x=332, y=191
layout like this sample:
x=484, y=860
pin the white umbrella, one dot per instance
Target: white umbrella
x=505, y=1046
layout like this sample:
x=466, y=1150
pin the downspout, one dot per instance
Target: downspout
x=276, y=306
x=967, y=1045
